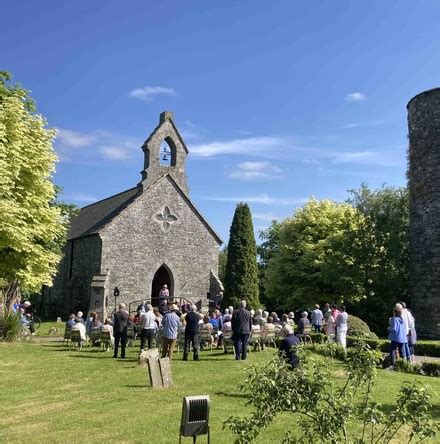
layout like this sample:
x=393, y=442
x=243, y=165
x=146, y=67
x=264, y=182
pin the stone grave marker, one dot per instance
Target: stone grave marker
x=165, y=370
x=145, y=354
x=154, y=372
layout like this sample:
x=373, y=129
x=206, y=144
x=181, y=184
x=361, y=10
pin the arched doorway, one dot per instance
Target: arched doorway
x=162, y=276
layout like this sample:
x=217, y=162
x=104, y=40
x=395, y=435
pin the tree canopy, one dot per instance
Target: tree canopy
x=241, y=272
x=31, y=227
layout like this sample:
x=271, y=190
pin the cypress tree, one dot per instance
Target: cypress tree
x=241, y=274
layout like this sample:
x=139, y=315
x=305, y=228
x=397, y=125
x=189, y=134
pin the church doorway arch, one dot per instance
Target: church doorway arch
x=162, y=276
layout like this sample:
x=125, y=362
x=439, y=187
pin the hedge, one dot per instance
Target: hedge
x=423, y=348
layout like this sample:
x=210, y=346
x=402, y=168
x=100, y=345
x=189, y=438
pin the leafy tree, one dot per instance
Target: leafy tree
x=267, y=249
x=241, y=274
x=30, y=227
x=384, y=254
x=314, y=260
x=327, y=410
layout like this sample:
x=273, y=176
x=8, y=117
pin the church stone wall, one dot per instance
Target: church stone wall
x=139, y=240
x=424, y=187
x=71, y=289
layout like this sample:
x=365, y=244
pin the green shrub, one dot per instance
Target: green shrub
x=360, y=329
x=404, y=366
x=428, y=348
x=318, y=338
x=10, y=325
x=374, y=344
x=431, y=368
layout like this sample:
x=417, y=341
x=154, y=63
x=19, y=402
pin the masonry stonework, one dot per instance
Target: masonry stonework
x=424, y=189
x=134, y=239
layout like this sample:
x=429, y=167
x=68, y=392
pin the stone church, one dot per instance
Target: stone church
x=140, y=239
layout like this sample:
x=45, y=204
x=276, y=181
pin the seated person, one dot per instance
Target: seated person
x=227, y=326
x=275, y=319
x=95, y=325
x=131, y=323
x=108, y=327
x=303, y=323
x=80, y=327
x=265, y=329
x=79, y=316
x=89, y=322
x=207, y=326
x=71, y=322
x=137, y=317
x=287, y=348
x=26, y=321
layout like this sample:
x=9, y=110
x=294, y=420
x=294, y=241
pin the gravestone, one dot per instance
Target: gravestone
x=165, y=371
x=145, y=354
x=154, y=372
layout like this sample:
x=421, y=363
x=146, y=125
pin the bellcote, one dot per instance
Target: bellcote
x=164, y=153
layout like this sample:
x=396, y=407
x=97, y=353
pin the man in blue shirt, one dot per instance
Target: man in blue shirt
x=170, y=325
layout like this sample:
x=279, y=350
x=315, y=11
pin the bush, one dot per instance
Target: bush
x=357, y=327
x=428, y=348
x=404, y=366
x=431, y=368
x=10, y=325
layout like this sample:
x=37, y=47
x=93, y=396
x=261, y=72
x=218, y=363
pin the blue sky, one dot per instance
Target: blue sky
x=277, y=101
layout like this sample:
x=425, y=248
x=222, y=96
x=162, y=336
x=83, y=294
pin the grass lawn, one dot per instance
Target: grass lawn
x=50, y=394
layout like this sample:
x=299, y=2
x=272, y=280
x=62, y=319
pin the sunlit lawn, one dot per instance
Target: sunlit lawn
x=49, y=394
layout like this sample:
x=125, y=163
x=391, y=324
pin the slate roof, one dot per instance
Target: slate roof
x=93, y=217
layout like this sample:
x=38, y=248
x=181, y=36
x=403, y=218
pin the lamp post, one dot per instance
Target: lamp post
x=115, y=294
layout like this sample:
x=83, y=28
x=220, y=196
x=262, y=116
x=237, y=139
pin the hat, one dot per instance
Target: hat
x=399, y=306
x=304, y=313
x=27, y=304
x=316, y=305
x=174, y=307
x=291, y=315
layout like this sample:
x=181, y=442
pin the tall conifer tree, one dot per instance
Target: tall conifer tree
x=241, y=276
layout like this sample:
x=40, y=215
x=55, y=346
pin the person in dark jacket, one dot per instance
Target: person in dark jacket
x=241, y=329
x=287, y=348
x=192, y=333
x=120, y=322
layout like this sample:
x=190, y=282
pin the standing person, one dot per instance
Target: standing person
x=408, y=320
x=342, y=327
x=170, y=324
x=241, y=328
x=148, y=327
x=327, y=312
x=397, y=335
x=192, y=334
x=303, y=323
x=330, y=327
x=287, y=348
x=141, y=307
x=120, y=322
x=317, y=319
x=164, y=293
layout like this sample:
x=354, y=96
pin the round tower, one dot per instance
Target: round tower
x=424, y=191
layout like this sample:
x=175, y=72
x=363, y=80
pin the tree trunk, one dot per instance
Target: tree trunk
x=11, y=293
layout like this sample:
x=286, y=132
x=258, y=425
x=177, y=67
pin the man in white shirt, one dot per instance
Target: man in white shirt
x=148, y=326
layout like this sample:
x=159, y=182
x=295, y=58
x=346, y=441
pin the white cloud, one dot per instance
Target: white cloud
x=255, y=171
x=148, y=93
x=80, y=197
x=74, y=139
x=250, y=145
x=379, y=158
x=263, y=199
x=355, y=97
x=115, y=152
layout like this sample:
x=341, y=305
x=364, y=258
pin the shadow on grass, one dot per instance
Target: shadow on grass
x=137, y=386
x=232, y=395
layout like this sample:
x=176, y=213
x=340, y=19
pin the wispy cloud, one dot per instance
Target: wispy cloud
x=80, y=197
x=249, y=171
x=378, y=158
x=363, y=124
x=74, y=139
x=148, y=93
x=250, y=145
x=263, y=199
x=355, y=97
x=115, y=152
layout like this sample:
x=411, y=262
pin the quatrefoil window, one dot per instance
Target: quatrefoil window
x=165, y=218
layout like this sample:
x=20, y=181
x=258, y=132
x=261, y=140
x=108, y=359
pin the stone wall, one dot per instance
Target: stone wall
x=71, y=289
x=139, y=240
x=424, y=187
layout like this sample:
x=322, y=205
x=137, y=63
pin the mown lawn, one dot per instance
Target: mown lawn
x=51, y=394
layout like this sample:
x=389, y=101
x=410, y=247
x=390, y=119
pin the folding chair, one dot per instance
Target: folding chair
x=255, y=340
x=227, y=340
x=67, y=334
x=105, y=338
x=270, y=339
x=95, y=335
x=76, y=340
x=131, y=335
x=205, y=337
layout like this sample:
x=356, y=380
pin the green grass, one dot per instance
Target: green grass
x=51, y=394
